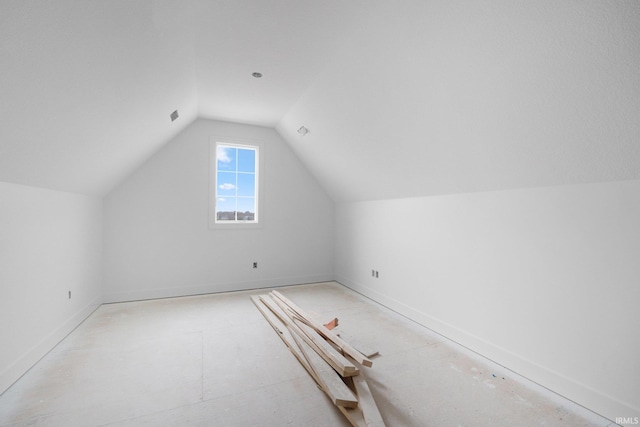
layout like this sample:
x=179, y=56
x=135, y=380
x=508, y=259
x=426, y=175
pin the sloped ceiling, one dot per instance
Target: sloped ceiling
x=439, y=97
x=401, y=98
x=87, y=87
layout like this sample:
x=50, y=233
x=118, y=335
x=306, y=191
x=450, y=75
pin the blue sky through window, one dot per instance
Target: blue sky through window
x=246, y=160
x=246, y=185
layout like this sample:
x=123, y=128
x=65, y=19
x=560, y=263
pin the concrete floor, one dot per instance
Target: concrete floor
x=213, y=360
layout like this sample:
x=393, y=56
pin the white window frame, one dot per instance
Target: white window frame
x=258, y=146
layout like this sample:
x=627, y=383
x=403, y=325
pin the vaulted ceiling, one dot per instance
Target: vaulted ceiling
x=402, y=99
x=87, y=87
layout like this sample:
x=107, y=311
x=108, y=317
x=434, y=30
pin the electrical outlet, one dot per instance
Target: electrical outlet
x=255, y=264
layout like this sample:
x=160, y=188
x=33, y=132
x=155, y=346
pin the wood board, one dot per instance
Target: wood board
x=318, y=326
x=343, y=366
x=351, y=394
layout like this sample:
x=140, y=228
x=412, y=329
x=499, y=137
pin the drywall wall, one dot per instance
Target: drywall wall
x=158, y=242
x=543, y=281
x=50, y=244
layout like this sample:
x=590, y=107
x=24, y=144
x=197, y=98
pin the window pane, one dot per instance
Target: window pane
x=246, y=160
x=246, y=184
x=225, y=208
x=226, y=184
x=226, y=157
x=246, y=208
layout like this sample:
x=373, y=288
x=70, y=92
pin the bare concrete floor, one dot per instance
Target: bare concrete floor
x=213, y=360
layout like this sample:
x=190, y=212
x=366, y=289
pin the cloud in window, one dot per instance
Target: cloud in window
x=227, y=186
x=222, y=155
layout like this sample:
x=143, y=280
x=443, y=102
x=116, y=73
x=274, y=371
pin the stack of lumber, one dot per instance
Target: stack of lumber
x=334, y=364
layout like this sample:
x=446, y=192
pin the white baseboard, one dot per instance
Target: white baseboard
x=593, y=400
x=16, y=370
x=209, y=288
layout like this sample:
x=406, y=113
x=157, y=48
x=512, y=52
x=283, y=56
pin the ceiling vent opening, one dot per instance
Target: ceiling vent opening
x=174, y=116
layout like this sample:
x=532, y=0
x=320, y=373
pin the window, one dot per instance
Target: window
x=235, y=180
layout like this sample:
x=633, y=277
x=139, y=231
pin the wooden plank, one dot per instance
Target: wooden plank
x=366, y=403
x=354, y=416
x=361, y=347
x=357, y=344
x=295, y=330
x=343, y=395
x=330, y=381
x=340, y=363
x=284, y=334
x=346, y=367
x=343, y=366
x=343, y=345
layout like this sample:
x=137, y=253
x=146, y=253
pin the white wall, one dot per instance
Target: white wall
x=50, y=244
x=544, y=281
x=157, y=240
